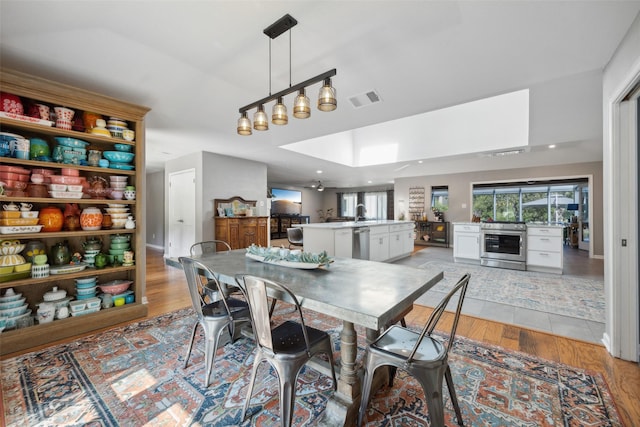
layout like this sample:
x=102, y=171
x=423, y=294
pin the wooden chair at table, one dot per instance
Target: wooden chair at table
x=213, y=315
x=287, y=347
x=421, y=354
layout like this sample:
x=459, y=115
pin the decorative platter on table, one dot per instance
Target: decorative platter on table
x=17, y=229
x=66, y=269
x=287, y=258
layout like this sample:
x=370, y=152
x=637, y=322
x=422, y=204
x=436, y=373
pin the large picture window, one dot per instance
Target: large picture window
x=376, y=205
x=348, y=204
x=548, y=202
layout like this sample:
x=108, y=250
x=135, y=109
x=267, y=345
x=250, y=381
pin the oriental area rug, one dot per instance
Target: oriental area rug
x=134, y=376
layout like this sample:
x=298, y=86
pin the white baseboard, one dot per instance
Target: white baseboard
x=160, y=248
x=606, y=342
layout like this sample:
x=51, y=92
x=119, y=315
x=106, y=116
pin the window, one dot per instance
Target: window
x=440, y=198
x=547, y=203
x=348, y=204
x=376, y=205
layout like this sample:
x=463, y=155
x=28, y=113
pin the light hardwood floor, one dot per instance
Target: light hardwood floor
x=167, y=291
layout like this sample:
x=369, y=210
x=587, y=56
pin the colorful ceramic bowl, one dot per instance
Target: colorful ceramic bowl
x=118, y=156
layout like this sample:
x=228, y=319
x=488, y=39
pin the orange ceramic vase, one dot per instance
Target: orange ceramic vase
x=51, y=219
x=91, y=219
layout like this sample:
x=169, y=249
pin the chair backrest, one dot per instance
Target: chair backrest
x=294, y=235
x=207, y=247
x=198, y=276
x=255, y=289
x=436, y=314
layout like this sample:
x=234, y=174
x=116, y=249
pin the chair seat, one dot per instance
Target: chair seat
x=288, y=338
x=400, y=342
x=237, y=307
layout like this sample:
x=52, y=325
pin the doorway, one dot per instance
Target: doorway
x=182, y=212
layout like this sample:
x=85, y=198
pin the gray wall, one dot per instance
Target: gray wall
x=155, y=209
x=218, y=177
x=460, y=186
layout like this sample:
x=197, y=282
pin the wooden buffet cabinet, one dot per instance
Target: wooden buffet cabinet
x=240, y=231
x=54, y=94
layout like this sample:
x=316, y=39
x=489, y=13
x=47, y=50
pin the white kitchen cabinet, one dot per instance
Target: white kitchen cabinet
x=400, y=240
x=379, y=243
x=544, y=249
x=466, y=243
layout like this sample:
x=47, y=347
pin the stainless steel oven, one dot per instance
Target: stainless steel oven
x=504, y=245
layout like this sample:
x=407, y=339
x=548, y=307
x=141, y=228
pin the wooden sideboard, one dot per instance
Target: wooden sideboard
x=241, y=232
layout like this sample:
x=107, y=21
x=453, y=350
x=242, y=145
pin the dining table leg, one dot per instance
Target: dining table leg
x=342, y=406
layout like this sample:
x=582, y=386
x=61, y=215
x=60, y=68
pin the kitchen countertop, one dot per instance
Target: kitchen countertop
x=351, y=224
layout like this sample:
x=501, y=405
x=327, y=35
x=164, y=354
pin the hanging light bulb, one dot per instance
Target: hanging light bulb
x=260, y=119
x=301, y=106
x=244, y=125
x=320, y=186
x=327, y=97
x=279, y=113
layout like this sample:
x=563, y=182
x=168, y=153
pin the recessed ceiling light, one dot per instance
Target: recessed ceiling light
x=369, y=182
x=318, y=171
x=552, y=146
x=420, y=161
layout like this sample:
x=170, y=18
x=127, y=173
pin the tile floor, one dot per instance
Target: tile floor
x=576, y=263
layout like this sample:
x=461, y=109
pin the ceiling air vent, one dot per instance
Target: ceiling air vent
x=365, y=99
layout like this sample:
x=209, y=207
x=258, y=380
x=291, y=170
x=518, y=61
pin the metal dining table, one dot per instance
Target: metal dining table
x=358, y=292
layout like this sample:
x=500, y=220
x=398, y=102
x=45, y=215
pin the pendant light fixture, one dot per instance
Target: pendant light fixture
x=302, y=106
x=327, y=100
x=279, y=114
x=244, y=125
x=327, y=97
x=260, y=119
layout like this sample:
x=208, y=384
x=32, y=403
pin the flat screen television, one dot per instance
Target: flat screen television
x=286, y=201
x=572, y=207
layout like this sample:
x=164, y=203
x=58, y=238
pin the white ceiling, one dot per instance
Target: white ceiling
x=194, y=63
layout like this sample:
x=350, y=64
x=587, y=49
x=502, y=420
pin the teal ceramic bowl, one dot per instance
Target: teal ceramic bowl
x=71, y=142
x=122, y=147
x=118, y=156
x=116, y=251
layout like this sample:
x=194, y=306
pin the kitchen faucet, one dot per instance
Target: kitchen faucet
x=364, y=212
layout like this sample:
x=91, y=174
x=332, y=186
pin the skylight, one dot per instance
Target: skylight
x=491, y=124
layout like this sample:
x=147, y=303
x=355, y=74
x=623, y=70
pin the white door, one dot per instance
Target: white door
x=182, y=212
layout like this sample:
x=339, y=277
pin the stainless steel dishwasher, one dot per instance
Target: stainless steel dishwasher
x=360, y=248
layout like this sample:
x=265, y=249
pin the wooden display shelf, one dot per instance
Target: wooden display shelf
x=32, y=336
x=54, y=165
x=36, y=89
x=54, y=277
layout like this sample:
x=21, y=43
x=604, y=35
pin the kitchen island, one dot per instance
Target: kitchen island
x=384, y=240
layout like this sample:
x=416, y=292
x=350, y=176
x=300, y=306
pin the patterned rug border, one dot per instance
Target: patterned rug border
x=519, y=363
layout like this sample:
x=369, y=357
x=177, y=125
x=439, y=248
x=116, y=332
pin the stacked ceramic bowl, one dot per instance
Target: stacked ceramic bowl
x=117, y=126
x=119, y=244
x=119, y=214
x=118, y=184
x=85, y=288
x=90, y=256
x=12, y=308
x=119, y=159
x=74, y=151
x=15, y=180
x=65, y=187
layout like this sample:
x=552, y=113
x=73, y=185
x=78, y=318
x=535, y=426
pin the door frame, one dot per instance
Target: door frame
x=622, y=299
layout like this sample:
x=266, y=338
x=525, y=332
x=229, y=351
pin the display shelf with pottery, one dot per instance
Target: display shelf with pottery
x=71, y=139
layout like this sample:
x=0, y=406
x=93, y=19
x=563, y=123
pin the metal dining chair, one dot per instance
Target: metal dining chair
x=294, y=236
x=208, y=247
x=421, y=354
x=287, y=347
x=213, y=316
